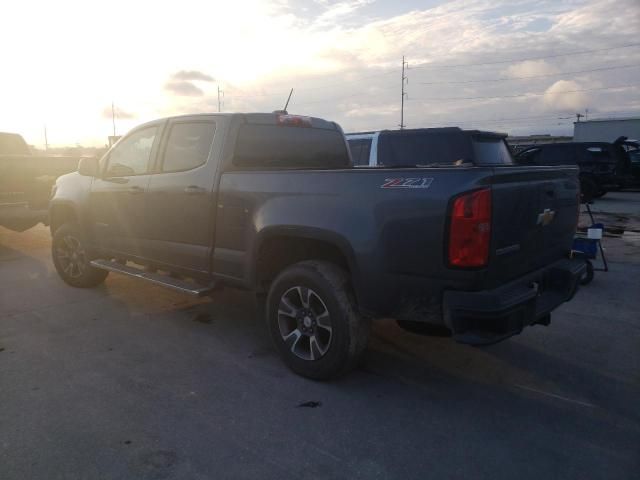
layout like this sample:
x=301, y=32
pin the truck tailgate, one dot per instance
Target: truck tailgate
x=534, y=219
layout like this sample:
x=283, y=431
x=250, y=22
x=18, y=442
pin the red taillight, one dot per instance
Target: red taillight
x=470, y=231
x=293, y=120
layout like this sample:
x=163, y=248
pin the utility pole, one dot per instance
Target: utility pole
x=46, y=142
x=403, y=95
x=219, y=91
x=113, y=117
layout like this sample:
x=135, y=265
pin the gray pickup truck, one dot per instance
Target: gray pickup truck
x=26, y=181
x=271, y=203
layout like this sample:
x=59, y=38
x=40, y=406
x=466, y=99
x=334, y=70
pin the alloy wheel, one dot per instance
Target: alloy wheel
x=72, y=256
x=305, y=323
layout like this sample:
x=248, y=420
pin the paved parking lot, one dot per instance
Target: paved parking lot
x=134, y=381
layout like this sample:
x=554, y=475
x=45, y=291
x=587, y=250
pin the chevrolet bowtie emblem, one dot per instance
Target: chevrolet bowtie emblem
x=546, y=217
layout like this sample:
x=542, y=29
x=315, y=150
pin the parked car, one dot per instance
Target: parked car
x=271, y=203
x=427, y=147
x=26, y=181
x=603, y=166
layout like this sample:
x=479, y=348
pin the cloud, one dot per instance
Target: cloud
x=119, y=113
x=182, y=83
x=192, y=75
x=531, y=68
x=564, y=95
x=338, y=10
x=332, y=53
x=183, y=88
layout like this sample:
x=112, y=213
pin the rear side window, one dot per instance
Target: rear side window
x=188, y=146
x=360, y=150
x=491, y=151
x=262, y=146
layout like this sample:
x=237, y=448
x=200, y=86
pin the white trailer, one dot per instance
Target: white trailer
x=606, y=130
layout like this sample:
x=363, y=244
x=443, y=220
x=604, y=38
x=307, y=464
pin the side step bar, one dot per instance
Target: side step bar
x=164, y=280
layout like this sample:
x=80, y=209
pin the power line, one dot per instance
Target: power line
x=528, y=94
x=456, y=82
x=365, y=77
x=496, y=62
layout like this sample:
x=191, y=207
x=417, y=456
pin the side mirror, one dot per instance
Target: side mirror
x=88, y=167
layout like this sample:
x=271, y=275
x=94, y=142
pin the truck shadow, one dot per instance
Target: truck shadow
x=443, y=367
x=232, y=321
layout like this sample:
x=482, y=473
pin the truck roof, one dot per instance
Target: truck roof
x=433, y=131
x=264, y=118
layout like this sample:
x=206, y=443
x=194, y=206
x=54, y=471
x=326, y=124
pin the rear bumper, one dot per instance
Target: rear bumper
x=485, y=317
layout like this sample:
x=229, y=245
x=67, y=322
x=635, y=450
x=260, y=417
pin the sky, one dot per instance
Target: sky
x=519, y=66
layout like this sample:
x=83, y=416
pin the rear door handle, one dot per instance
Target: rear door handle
x=194, y=190
x=135, y=190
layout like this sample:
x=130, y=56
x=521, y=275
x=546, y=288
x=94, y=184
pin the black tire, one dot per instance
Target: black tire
x=588, y=276
x=71, y=257
x=588, y=190
x=306, y=298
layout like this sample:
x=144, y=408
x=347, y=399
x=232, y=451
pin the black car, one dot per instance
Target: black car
x=603, y=166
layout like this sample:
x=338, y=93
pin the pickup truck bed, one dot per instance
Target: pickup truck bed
x=26, y=181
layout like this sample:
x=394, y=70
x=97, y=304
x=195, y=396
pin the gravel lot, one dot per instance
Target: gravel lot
x=130, y=380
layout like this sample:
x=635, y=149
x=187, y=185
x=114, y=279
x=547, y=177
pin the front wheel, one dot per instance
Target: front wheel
x=72, y=258
x=313, y=321
x=588, y=190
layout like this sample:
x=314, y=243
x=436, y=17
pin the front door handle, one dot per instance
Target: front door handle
x=135, y=190
x=194, y=190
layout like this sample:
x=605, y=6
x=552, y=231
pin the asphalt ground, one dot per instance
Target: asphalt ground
x=133, y=381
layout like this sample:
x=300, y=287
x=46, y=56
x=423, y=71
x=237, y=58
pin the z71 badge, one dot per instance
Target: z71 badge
x=422, y=182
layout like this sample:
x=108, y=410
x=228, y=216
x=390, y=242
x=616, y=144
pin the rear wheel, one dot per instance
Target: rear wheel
x=313, y=320
x=588, y=275
x=72, y=258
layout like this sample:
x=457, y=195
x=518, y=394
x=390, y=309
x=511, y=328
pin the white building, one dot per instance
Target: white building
x=606, y=130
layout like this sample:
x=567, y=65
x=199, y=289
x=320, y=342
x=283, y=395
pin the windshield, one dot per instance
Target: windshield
x=420, y=148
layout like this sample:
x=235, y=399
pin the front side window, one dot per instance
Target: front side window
x=188, y=146
x=131, y=156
